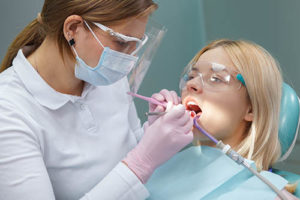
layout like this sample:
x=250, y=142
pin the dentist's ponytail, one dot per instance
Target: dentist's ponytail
x=51, y=20
x=33, y=34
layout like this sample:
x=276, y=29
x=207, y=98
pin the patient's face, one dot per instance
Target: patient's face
x=224, y=114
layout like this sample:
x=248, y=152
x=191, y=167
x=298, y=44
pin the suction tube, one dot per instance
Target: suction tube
x=226, y=149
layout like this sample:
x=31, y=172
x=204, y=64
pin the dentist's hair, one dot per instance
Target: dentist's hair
x=263, y=80
x=51, y=20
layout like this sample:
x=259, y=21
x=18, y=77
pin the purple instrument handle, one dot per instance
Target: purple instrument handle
x=149, y=99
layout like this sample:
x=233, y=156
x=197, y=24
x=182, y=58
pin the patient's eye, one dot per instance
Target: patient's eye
x=218, y=79
x=215, y=79
x=191, y=75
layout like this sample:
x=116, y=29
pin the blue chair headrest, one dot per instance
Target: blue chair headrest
x=289, y=120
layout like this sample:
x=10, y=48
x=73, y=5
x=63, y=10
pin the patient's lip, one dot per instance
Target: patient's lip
x=192, y=105
x=193, y=114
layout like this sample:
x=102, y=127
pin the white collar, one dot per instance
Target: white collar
x=37, y=86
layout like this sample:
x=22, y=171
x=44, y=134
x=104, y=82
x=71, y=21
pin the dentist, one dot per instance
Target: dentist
x=67, y=128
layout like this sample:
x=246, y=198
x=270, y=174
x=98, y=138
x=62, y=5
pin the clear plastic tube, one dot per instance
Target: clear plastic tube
x=227, y=150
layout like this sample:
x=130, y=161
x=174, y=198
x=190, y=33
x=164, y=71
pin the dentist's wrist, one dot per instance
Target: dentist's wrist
x=140, y=168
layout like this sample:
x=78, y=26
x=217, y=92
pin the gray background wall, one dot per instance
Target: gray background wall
x=191, y=24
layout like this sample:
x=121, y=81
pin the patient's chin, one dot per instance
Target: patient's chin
x=201, y=139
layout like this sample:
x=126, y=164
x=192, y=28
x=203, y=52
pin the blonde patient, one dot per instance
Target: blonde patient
x=243, y=115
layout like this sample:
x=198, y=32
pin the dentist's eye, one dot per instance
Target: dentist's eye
x=121, y=43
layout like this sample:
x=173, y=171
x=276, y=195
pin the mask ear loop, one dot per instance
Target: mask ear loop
x=94, y=34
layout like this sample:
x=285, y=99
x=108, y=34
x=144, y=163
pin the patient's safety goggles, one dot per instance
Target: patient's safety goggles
x=211, y=76
x=125, y=44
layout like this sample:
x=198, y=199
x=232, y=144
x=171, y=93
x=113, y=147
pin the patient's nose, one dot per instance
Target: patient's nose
x=195, y=85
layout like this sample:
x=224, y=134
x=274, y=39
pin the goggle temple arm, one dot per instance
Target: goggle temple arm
x=241, y=79
x=143, y=42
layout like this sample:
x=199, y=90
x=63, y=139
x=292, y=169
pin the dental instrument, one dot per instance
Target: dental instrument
x=149, y=99
x=154, y=101
x=155, y=113
x=227, y=150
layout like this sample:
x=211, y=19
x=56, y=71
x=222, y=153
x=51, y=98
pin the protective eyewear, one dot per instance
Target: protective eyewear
x=211, y=76
x=155, y=33
x=127, y=44
x=144, y=49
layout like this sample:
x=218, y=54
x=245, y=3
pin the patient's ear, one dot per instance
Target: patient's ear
x=249, y=114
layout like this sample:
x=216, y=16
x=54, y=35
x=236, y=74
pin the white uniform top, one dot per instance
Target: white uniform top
x=58, y=146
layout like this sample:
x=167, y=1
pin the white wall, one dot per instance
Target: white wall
x=14, y=16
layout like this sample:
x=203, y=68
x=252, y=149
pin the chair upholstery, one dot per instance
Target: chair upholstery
x=288, y=131
x=289, y=120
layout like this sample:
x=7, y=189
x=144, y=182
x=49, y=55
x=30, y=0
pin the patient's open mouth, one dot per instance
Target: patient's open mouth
x=192, y=106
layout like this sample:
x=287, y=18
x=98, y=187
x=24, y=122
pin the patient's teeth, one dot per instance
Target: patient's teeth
x=191, y=103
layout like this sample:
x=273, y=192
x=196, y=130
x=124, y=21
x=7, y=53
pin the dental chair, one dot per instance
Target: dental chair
x=179, y=177
x=288, y=131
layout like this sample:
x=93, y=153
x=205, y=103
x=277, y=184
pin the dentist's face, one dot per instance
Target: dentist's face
x=224, y=114
x=90, y=50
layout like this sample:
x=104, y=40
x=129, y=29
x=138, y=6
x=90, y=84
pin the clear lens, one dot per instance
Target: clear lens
x=123, y=46
x=153, y=36
x=211, y=76
x=123, y=43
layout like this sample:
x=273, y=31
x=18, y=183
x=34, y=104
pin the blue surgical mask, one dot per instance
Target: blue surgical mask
x=112, y=66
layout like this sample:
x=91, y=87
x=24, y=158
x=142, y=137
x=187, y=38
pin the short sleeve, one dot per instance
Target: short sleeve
x=23, y=173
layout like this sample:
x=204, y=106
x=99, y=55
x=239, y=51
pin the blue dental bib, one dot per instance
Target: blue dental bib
x=201, y=172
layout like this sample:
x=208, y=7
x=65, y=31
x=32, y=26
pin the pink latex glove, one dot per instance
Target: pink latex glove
x=164, y=138
x=163, y=96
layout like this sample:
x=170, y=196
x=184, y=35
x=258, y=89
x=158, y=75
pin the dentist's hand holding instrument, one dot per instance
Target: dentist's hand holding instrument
x=164, y=137
x=158, y=102
x=163, y=96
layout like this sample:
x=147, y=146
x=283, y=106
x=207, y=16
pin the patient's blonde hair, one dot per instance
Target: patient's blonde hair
x=263, y=82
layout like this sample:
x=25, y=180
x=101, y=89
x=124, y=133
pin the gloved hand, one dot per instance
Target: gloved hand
x=163, y=96
x=164, y=138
